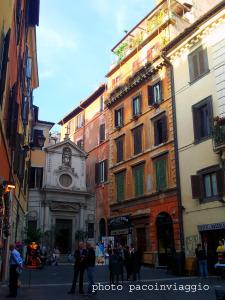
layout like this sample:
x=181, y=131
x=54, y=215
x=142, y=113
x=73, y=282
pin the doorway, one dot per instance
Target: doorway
x=210, y=239
x=165, y=236
x=141, y=240
x=63, y=235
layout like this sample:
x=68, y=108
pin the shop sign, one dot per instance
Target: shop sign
x=119, y=222
x=214, y=226
x=119, y=231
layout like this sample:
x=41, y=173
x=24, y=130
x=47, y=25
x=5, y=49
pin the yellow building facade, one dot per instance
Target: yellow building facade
x=198, y=59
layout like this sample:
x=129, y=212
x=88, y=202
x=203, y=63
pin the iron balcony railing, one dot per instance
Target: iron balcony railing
x=219, y=135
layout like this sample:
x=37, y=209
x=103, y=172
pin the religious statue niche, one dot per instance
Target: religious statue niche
x=66, y=157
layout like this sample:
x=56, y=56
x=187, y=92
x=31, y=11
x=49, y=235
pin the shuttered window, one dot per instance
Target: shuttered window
x=119, y=117
x=35, y=177
x=80, y=144
x=202, y=119
x=136, y=106
x=198, y=63
x=137, y=138
x=208, y=184
x=138, y=173
x=155, y=93
x=25, y=110
x=12, y=118
x=3, y=64
x=161, y=174
x=102, y=133
x=120, y=186
x=36, y=135
x=160, y=130
x=119, y=148
x=101, y=171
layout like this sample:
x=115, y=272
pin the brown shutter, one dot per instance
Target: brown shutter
x=122, y=116
x=196, y=187
x=105, y=170
x=156, y=134
x=97, y=173
x=150, y=95
x=164, y=129
x=116, y=117
x=119, y=149
x=210, y=113
x=220, y=182
x=4, y=65
x=196, y=123
x=102, y=132
x=16, y=158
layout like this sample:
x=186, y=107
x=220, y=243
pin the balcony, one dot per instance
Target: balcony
x=219, y=133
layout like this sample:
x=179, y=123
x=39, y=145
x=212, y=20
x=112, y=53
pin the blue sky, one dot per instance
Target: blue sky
x=74, y=41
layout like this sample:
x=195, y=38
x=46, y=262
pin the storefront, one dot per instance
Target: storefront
x=120, y=228
x=210, y=236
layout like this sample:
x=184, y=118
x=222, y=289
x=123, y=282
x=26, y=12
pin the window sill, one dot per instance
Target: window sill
x=135, y=117
x=98, y=185
x=201, y=140
x=211, y=199
x=200, y=77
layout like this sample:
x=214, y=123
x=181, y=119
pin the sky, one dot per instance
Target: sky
x=74, y=42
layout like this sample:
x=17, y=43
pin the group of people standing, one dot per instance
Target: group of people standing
x=120, y=257
x=201, y=255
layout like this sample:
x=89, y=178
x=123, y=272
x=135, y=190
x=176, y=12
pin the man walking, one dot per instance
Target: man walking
x=90, y=266
x=202, y=260
x=16, y=264
x=79, y=267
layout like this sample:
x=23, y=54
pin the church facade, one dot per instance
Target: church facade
x=61, y=206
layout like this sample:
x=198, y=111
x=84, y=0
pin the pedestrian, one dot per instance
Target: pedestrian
x=80, y=256
x=135, y=263
x=202, y=260
x=220, y=252
x=90, y=267
x=56, y=255
x=127, y=261
x=15, y=267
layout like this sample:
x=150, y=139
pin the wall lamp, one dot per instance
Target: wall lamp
x=8, y=186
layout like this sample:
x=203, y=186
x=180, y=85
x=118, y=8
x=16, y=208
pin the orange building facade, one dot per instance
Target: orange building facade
x=18, y=78
x=144, y=201
x=88, y=127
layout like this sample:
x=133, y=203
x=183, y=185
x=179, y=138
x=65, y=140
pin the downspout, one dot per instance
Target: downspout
x=177, y=167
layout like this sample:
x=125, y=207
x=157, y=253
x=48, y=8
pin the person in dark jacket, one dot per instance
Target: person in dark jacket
x=135, y=263
x=202, y=260
x=115, y=267
x=127, y=261
x=90, y=266
x=79, y=267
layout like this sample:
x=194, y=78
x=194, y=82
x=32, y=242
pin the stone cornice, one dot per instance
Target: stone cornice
x=133, y=82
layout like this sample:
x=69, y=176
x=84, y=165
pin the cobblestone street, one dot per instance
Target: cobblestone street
x=54, y=283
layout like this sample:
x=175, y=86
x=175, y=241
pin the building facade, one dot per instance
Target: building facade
x=145, y=204
x=198, y=60
x=18, y=78
x=87, y=126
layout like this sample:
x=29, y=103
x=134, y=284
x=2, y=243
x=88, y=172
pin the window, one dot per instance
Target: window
x=101, y=104
x=4, y=51
x=137, y=136
x=138, y=173
x=79, y=121
x=90, y=230
x=155, y=93
x=161, y=174
x=102, y=133
x=120, y=186
x=119, y=117
x=198, y=63
x=80, y=144
x=202, y=119
x=119, y=148
x=208, y=184
x=137, y=106
x=37, y=134
x=160, y=130
x=36, y=177
x=101, y=171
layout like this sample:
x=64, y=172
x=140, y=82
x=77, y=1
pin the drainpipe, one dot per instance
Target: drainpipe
x=180, y=213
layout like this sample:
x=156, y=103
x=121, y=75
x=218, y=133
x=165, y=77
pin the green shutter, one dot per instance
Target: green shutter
x=139, y=180
x=161, y=174
x=120, y=186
